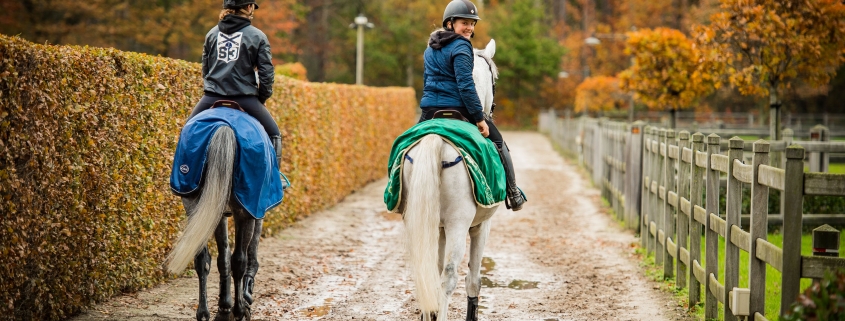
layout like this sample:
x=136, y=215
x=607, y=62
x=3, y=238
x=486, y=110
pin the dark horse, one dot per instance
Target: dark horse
x=205, y=216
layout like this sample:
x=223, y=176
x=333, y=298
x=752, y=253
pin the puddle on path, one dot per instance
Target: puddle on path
x=488, y=265
x=318, y=311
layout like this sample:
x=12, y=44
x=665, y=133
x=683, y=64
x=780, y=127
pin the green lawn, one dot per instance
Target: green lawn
x=773, y=277
x=837, y=168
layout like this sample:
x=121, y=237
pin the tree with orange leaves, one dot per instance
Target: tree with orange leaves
x=598, y=94
x=764, y=46
x=664, y=73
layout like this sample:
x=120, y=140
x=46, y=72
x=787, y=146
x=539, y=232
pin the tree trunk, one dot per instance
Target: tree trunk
x=672, y=115
x=774, y=115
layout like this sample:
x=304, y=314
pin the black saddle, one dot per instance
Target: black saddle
x=227, y=103
x=449, y=114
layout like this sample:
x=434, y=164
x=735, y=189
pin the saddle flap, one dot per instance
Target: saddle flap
x=449, y=114
x=228, y=104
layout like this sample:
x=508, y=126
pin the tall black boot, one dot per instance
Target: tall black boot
x=277, y=146
x=515, y=197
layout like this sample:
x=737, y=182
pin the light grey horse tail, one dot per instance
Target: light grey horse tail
x=422, y=222
x=207, y=212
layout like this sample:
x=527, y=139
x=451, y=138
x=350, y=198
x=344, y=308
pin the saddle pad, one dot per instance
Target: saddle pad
x=256, y=182
x=480, y=156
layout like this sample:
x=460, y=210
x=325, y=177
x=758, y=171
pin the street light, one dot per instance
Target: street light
x=563, y=74
x=593, y=41
x=360, y=23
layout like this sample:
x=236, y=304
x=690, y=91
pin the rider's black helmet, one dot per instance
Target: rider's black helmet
x=235, y=4
x=460, y=9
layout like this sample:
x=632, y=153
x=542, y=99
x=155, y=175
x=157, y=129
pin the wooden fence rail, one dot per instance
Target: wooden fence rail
x=666, y=185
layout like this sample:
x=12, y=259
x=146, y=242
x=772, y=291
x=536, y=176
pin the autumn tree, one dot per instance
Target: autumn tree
x=664, y=73
x=599, y=94
x=765, y=46
x=526, y=54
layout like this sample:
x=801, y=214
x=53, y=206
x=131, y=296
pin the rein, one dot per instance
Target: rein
x=492, y=79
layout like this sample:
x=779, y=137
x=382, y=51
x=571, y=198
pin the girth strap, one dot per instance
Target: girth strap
x=443, y=163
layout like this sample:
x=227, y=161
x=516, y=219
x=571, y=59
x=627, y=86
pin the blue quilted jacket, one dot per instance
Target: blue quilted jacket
x=447, y=79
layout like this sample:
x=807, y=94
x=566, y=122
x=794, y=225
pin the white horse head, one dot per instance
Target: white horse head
x=485, y=73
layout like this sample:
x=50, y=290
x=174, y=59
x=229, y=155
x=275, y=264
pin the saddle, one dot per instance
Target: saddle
x=227, y=103
x=450, y=114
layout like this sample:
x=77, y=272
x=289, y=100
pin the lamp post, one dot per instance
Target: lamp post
x=360, y=23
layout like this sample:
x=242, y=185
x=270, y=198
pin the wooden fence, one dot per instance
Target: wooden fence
x=667, y=186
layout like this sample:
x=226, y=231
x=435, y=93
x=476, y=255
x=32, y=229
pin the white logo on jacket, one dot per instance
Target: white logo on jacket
x=229, y=46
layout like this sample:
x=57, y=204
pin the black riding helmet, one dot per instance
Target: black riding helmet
x=235, y=4
x=460, y=9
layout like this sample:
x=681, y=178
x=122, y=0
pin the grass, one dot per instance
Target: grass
x=836, y=168
x=773, y=277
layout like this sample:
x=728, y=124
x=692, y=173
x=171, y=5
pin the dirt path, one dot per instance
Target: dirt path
x=560, y=258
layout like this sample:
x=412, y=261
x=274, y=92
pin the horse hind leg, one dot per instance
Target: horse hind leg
x=202, y=263
x=244, y=230
x=478, y=238
x=454, y=253
x=252, y=262
x=225, y=302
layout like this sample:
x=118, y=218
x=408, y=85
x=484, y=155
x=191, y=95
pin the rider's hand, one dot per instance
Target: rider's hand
x=482, y=127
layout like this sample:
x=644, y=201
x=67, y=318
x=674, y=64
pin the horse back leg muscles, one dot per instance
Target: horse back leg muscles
x=221, y=237
x=202, y=263
x=441, y=249
x=252, y=262
x=456, y=235
x=244, y=229
x=478, y=238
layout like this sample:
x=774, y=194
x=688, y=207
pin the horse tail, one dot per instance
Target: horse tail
x=206, y=214
x=422, y=222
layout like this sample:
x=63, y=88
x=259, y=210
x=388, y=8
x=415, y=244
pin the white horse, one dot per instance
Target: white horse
x=441, y=210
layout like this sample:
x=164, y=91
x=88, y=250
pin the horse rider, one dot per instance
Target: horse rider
x=448, y=83
x=237, y=66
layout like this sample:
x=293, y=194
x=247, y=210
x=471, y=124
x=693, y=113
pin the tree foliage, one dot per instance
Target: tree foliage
x=526, y=53
x=599, y=94
x=664, y=74
x=172, y=28
x=766, y=45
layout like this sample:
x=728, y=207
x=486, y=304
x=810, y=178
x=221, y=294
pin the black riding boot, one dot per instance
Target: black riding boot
x=515, y=197
x=277, y=146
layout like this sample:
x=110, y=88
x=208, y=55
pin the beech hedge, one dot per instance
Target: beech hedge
x=87, y=138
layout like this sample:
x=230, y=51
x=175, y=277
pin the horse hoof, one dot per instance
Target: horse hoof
x=224, y=315
x=247, y=316
x=433, y=317
x=203, y=315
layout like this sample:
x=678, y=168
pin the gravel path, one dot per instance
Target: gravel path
x=560, y=258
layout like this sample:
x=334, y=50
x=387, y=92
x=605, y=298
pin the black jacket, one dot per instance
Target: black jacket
x=233, y=51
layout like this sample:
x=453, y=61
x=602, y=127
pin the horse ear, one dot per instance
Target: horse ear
x=491, y=48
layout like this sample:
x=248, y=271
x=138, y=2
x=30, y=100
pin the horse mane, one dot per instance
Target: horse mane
x=493, y=68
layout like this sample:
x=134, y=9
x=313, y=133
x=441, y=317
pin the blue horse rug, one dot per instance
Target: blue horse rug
x=256, y=182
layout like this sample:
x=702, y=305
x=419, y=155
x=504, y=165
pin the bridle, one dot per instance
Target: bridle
x=492, y=79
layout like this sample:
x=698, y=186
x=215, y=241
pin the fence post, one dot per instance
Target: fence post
x=711, y=250
x=683, y=221
x=695, y=226
x=660, y=241
x=792, y=224
x=759, y=229
x=634, y=174
x=655, y=178
x=669, y=210
x=819, y=161
x=732, y=217
x=597, y=152
x=645, y=201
